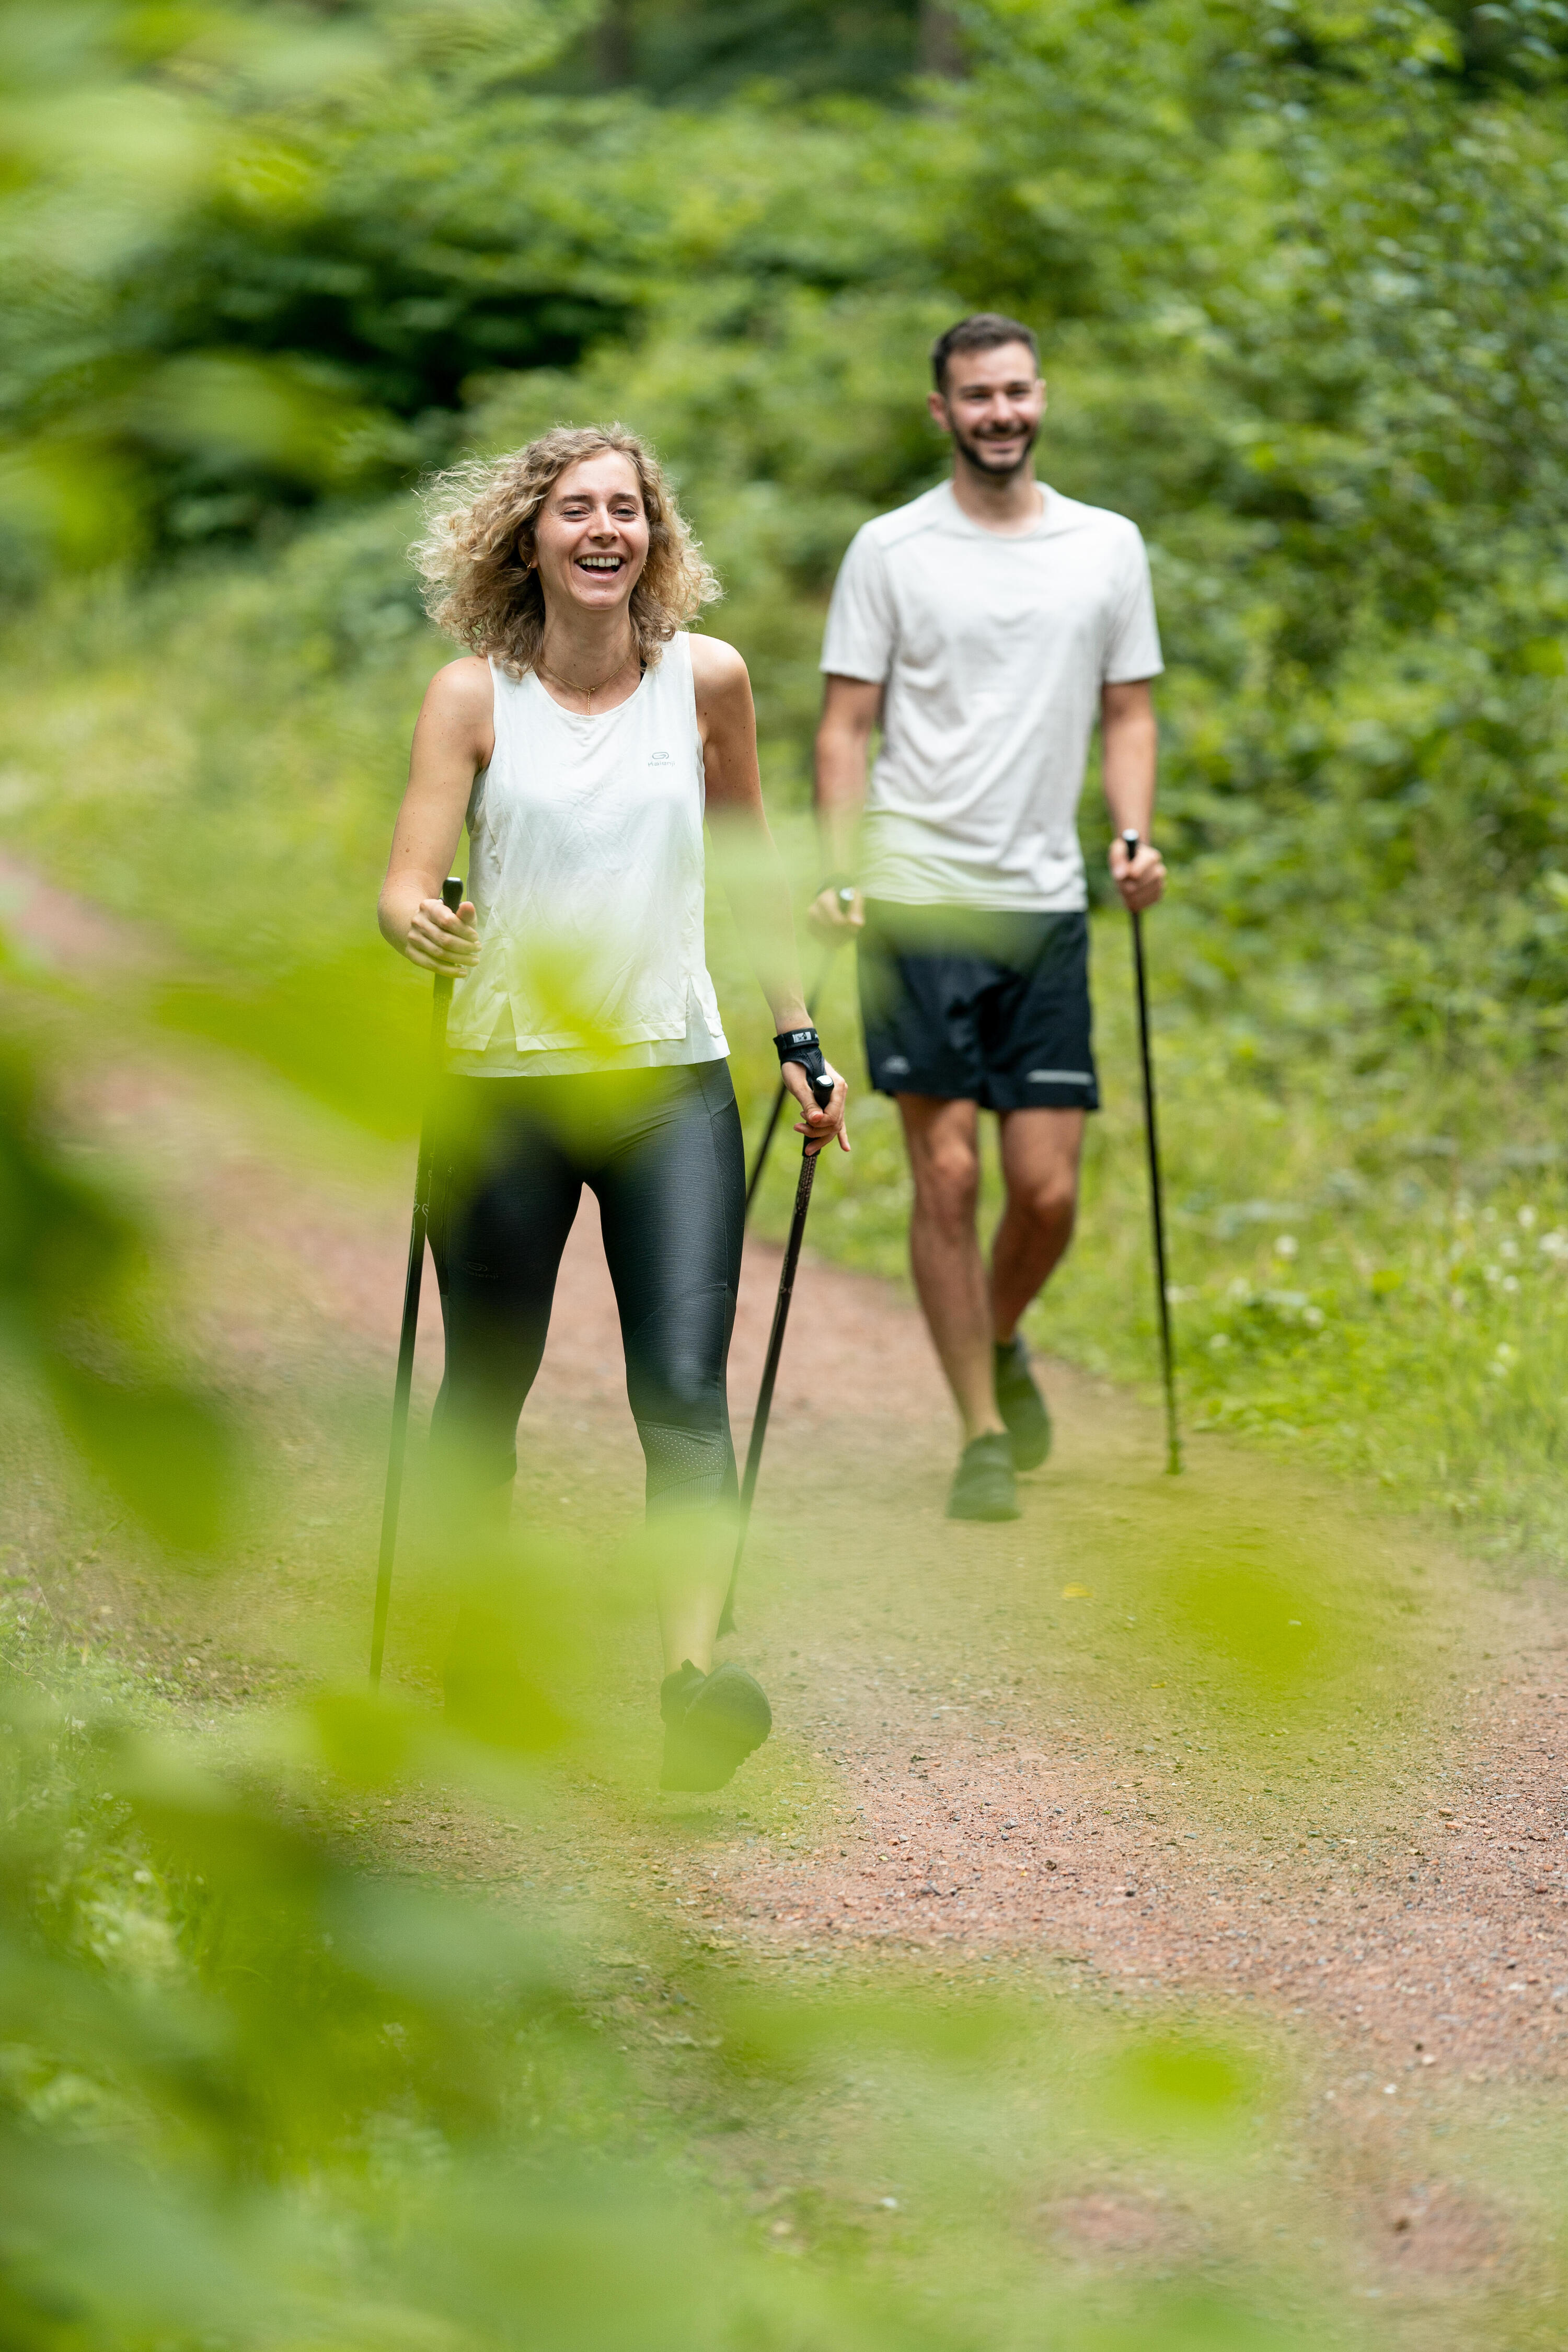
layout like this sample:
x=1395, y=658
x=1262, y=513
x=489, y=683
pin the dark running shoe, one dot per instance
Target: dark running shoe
x=1021, y=1405
x=711, y=1723
x=983, y=1483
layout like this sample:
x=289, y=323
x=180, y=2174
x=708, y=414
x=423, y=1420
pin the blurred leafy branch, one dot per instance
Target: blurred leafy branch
x=254, y=2091
x=260, y=2087
x=69, y=1301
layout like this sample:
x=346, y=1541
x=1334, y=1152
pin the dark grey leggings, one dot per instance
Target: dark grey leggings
x=661, y=1150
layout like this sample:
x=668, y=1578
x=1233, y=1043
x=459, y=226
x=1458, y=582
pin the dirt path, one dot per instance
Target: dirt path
x=1045, y=1735
x=949, y=1682
x=1233, y=1739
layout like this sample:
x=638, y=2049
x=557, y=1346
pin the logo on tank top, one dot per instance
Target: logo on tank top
x=658, y=759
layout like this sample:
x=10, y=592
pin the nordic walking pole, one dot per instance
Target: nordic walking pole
x=808, y=1159
x=451, y=898
x=1156, y=1203
x=846, y=900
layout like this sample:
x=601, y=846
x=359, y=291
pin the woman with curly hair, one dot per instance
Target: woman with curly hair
x=583, y=738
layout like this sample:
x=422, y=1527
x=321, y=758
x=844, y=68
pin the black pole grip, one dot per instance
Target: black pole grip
x=452, y=893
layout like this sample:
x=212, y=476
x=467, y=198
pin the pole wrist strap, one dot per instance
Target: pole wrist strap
x=805, y=1046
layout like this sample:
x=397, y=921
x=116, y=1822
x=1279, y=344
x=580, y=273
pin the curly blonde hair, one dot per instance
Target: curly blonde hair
x=478, y=548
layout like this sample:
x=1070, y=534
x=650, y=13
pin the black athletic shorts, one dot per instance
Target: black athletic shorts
x=978, y=1005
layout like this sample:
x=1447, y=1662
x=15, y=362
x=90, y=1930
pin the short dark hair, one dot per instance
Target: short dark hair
x=983, y=331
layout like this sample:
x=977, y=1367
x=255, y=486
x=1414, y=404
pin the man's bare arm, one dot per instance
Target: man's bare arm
x=1129, y=743
x=851, y=712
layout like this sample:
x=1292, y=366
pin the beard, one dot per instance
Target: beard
x=982, y=455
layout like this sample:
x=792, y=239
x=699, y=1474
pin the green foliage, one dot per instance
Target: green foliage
x=254, y=2094
x=68, y=1317
x=226, y=307
x=696, y=51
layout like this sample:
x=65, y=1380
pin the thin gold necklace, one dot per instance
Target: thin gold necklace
x=571, y=686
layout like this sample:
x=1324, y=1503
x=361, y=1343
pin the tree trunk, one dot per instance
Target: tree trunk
x=613, y=56
x=941, y=46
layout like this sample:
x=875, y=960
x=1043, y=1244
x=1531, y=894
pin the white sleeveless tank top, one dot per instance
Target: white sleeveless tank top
x=587, y=872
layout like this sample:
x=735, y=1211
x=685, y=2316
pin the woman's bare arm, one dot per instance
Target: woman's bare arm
x=454, y=738
x=745, y=854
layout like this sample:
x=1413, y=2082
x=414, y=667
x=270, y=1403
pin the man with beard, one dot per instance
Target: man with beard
x=982, y=629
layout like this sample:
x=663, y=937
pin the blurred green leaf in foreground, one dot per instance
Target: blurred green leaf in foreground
x=261, y=2085
x=68, y=1258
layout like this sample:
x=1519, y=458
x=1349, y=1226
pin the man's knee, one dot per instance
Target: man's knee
x=947, y=1183
x=1049, y=1200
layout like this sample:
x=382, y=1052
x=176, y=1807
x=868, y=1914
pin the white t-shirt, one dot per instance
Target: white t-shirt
x=993, y=649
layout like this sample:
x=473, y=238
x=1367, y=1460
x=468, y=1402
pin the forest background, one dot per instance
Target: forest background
x=1298, y=276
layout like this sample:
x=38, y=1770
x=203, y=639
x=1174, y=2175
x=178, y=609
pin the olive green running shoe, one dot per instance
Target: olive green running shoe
x=1021, y=1405
x=983, y=1483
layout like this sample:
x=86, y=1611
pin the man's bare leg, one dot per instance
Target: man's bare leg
x=943, y=1141
x=1040, y=1154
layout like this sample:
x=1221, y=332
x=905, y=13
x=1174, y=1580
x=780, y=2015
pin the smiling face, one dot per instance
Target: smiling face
x=590, y=540
x=992, y=405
